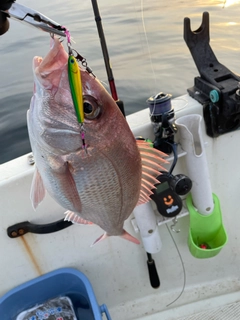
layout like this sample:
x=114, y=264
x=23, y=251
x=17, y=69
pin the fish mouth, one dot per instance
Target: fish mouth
x=37, y=61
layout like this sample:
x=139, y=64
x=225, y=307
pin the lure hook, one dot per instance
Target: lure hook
x=83, y=62
x=82, y=132
x=70, y=50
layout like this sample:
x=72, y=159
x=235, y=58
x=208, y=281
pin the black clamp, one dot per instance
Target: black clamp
x=217, y=88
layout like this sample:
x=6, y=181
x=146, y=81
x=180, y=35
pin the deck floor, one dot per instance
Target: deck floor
x=228, y=312
x=221, y=307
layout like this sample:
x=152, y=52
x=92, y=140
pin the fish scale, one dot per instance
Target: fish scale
x=101, y=181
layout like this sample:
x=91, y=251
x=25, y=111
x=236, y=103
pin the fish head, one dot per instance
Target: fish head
x=56, y=110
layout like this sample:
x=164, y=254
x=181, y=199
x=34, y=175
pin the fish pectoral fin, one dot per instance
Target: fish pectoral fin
x=152, y=161
x=37, y=192
x=74, y=218
x=66, y=185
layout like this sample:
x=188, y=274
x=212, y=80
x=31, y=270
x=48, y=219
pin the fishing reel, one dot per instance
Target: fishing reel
x=168, y=191
x=162, y=118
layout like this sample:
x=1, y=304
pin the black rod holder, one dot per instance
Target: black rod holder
x=217, y=88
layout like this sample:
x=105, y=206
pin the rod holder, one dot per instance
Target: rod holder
x=147, y=225
x=207, y=235
x=191, y=140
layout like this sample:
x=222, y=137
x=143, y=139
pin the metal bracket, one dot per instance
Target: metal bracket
x=217, y=88
x=19, y=229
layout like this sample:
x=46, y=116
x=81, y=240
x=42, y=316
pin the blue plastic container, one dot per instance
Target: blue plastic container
x=62, y=282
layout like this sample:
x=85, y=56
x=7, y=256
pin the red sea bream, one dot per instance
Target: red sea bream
x=102, y=183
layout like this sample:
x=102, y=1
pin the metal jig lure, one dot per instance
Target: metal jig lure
x=75, y=83
x=74, y=76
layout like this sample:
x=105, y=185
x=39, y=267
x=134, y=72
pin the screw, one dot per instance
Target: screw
x=31, y=160
x=21, y=232
x=14, y=234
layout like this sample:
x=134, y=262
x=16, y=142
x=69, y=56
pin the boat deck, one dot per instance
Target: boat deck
x=117, y=269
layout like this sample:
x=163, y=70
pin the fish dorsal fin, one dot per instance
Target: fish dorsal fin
x=152, y=161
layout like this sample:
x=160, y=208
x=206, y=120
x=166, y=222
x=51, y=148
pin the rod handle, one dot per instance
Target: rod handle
x=153, y=274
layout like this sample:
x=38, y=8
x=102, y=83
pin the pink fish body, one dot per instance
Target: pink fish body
x=102, y=183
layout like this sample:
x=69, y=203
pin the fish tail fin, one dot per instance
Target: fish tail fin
x=152, y=163
x=129, y=237
x=125, y=235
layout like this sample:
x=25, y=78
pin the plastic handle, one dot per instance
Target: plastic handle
x=19, y=229
x=104, y=309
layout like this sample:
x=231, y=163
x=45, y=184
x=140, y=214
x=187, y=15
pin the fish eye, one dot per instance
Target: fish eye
x=87, y=107
x=90, y=107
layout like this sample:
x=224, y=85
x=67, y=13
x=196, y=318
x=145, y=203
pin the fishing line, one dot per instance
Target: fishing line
x=151, y=61
x=106, y=85
x=149, y=53
x=147, y=42
x=183, y=267
x=184, y=106
x=142, y=47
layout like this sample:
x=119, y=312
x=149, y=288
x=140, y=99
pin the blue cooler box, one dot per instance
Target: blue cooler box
x=62, y=282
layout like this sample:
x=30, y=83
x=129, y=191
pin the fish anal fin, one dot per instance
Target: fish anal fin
x=148, y=169
x=74, y=218
x=145, y=147
x=37, y=192
x=143, y=199
x=152, y=161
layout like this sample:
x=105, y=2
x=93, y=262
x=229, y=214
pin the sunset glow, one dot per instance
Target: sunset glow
x=229, y=3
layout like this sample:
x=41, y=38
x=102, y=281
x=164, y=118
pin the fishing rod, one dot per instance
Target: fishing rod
x=111, y=81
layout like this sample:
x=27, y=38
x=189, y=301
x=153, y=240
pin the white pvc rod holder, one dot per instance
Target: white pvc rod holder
x=147, y=225
x=191, y=141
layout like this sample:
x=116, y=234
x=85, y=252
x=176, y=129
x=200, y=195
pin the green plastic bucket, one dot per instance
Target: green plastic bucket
x=207, y=235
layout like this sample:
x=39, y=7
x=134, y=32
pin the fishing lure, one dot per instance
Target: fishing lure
x=76, y=87
x=75, y=82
